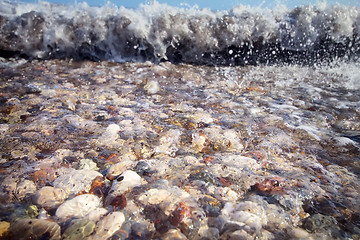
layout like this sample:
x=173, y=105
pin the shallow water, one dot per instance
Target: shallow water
x=222, y=152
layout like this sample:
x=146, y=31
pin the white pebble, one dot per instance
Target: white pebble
x=50, y=197
x=78, y=207
x=125, y=182
x=152, y=87
x=108, y=225
x=76, y=181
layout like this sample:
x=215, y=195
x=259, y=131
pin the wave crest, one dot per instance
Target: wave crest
x=158, y=32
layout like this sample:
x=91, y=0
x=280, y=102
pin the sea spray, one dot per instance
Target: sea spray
x=159, y=32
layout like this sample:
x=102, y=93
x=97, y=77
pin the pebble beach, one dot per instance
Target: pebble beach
x=104, y=150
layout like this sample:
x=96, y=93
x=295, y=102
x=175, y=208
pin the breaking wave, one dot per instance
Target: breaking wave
x=159, y=32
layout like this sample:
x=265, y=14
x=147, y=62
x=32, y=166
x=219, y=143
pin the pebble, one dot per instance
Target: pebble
x=110, y=135
x=24, y=229
x=87, y=164
x=174, y=234
x=79, y=230
x=319, y=222
x=249, y=219
x=96, y=214
x=50, y=197
x=142, y=168
x=298, y=233
x=239, y=234
x=7, y=188
x=25, y=189
x=208, y=233
x=166, y=199
x=116, y=169
x=78, y=207
x=169, y=142
x=152, y=87
x=107, y=226
x=211, y=206
x=125, y=182
x=76, y=181
x=4, y=228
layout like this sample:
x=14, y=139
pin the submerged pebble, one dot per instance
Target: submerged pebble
x=162, y=151
x=50, y=197
x=35, y=229
x=78, y=207
x=76, y=181
x=107, y=226
x=79, y=230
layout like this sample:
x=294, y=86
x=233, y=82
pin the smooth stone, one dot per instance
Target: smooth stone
x=209, y=233
x=217, y=222
x=79, y=230
x=32, y=211
x=239, y=235
x=50, y=197
x=298, y=233
x=174, y=234
x=118, y=168
x=4, y=228
x=169, y=142
x=96, y=214
x=76, y=181
x=78, y=207
x=43, y=214
x=24, y=189
x=110, y=135
x=317, y=222
x=7, y=189
x=249, y=219
x=152, y=87
x=24, y=229
x=107, y=226
x=166, y=199
x=125, y=182
x=142, y=167
x=87, y=164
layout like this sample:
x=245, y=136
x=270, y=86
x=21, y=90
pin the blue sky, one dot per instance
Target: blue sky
x=212, y=4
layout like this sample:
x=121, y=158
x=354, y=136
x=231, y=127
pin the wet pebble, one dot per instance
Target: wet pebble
x=152, y=87
x=298, y=233
x=174, y=234
x=50, y=197
x=76, y=181
x=25, y=189
x=118, y=168
x=142, y=168
x=87, y=164
x=216, y=222
x=78, y=207
x=107, y=226
x=210, y=233
x=211, y=206
x=319, y=222
x=166, y=198
x=24, y=229
x=96, y=214
x=79, y=230
x=124, y=183
x=4, y=228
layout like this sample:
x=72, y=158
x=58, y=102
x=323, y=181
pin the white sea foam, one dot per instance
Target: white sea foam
x=156, y=32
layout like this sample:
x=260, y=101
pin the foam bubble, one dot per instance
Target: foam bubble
x=157, y=32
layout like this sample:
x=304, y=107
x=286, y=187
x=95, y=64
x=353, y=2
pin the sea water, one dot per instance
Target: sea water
x=241, y=123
